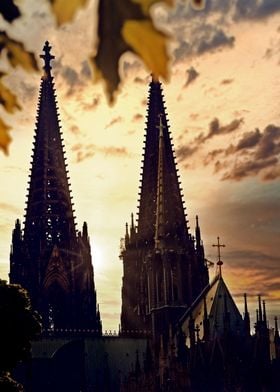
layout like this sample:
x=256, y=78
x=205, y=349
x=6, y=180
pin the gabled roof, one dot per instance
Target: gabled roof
x=216, y=305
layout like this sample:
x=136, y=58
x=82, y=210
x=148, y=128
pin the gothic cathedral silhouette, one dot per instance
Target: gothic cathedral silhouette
x=178, y=331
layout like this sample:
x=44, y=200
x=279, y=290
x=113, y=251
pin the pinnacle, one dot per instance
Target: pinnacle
x=47, y=57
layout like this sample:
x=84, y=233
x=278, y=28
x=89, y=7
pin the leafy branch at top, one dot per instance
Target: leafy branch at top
x=123, y=25
x=16, y=55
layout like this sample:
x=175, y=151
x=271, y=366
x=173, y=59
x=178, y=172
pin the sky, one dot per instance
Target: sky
x=223, y=105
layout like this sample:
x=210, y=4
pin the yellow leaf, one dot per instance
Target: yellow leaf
x=146, y=4
x=5, y=138
x=8, y=99
x=16, y=53
x=65, y=10
x=124, y=26
x=149, y=44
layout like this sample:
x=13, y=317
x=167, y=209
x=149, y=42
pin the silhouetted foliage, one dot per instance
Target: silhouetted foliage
x=7, y=384
x=19, y=324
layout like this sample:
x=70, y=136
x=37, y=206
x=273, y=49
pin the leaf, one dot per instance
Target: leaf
x=8, y=99
x=65, y=10
x=9, y=10
x=124, y=26
x=149, y=44
x=5, y=138
x=17, y=54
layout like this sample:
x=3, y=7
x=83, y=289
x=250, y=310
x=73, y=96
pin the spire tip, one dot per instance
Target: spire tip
x=47, y=57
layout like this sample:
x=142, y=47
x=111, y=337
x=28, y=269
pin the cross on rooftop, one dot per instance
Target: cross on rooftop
x=47, y=56
x=219, y=263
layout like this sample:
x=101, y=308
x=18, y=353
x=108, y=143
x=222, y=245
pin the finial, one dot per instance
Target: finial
x=219, y=263
x=85, y=230
x=196, y=219
x=245, y=303
x=132, y=221
x=260, y=308
x=246, y=316
x=264, y=314
x=47, y=57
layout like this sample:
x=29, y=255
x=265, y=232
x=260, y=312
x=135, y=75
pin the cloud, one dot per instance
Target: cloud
x=254, y=259
x=255, y=153
x=254, y=9
x=272, y=174
x=248, y=168
x=114, y=151
x=269, y=143
x=201, y=39
x=137, y=117
x=129, y=66
x=114, y=121
x=211, y=156
x=28, y=91
x=217, y=40
x=74, y=129
x=192, y=74
x=259, y=271
x=89, y=106
x=215, y=129
x=71, y=77
x=86, y=70
x=139, y=80
x=249, y=140
x=226, y=81
x=10, y=208
x=236, y=9
x=85, y=151
x=184, y=152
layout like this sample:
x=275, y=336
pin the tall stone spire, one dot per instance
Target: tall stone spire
x=49, y=213
x=163, y=268
x=51, y=259
x=175, y=220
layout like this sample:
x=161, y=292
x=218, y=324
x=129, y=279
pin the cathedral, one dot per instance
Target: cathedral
x=179, y=331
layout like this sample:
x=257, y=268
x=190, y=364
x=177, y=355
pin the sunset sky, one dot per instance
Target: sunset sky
x=223, y=105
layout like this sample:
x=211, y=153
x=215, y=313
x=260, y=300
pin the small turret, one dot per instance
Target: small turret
x=132, y=228
x=197, y=233
x=264, y=315
x=126, y=238
x=85, y=231
x=246, y=317
x=260, y=308
x=276, y=338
